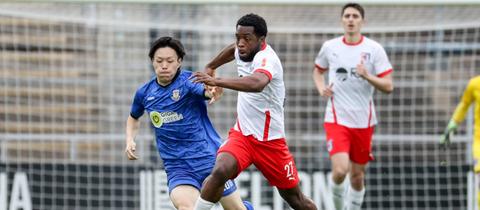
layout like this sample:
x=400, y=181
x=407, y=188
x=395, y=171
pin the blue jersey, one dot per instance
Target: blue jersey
x=178, y=113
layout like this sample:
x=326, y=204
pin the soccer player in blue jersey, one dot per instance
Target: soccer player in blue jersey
x=186, y=139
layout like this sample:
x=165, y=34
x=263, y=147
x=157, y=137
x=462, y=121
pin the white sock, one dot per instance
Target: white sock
x=203, y=204
x=338, y=194
x=355, y=199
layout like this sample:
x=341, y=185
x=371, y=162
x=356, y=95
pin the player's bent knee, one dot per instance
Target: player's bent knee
x=220, y=173
x=357, y=180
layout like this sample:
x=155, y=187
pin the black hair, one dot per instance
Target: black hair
x=167, y=41
x=258, y=23
x=355, y=6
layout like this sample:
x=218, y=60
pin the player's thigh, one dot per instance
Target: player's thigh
x=340, y=163
x=184, y=197
x=276, y=163
x=361, y=146
x=232, y=202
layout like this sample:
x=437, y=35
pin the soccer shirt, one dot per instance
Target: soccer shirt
x=351, y=104
x=261, y=114
x=471, y=95
x=178, y=114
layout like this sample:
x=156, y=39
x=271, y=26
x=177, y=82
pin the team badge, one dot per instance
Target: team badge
x=264, y=62
x=365, y=57
x=156, y=119
x=176, y=94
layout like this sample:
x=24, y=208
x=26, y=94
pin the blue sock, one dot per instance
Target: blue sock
x=248, y=205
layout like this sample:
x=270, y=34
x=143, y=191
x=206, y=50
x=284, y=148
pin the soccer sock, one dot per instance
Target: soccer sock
x=203, y=204
x=248, y=205
x=355, y=199
x=338, y=194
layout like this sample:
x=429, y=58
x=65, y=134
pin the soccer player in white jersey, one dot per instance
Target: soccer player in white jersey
x=258, y=136
x=356, y=66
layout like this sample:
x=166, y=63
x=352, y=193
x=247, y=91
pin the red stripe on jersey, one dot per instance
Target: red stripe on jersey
x=267, y=126
x=334, y=113
x=385, y=73
x=320, y=69
x=269, y=75
x=352, y=44
x=369, y=113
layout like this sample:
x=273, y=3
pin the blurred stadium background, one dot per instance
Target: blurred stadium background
x=68, y=72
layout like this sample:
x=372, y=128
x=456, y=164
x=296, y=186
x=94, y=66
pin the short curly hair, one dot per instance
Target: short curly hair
x=258, y=23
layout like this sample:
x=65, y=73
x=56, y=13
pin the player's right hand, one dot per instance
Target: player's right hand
x=130, y=150
x=209, y=71
x=447, y=134
x=327, y=92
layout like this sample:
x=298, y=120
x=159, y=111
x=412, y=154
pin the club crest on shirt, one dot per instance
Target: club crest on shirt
x=264, y=62
x=175, y=95
x=365, y=56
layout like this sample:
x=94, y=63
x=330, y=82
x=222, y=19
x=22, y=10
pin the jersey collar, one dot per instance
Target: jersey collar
x=352, y=44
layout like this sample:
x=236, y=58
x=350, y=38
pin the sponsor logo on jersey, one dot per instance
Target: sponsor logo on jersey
x=176, y=94
x=160, y=118
x=156, y=119
x=341, y=74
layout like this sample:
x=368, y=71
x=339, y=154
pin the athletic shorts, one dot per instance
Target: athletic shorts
x=185, y=176
x=272, y=158
x=357, y=142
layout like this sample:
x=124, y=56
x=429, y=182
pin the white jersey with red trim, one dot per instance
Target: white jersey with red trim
x=261, y=114
x=351, y=104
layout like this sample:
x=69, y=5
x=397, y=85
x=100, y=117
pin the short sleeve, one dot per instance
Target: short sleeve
x=138, y=107
x=196, y=89
x=321, y=61
x=265, y=64
x=381, y=63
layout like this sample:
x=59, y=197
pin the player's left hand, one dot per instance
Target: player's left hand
x=361, y=70
x=202, y=77
x=449, y=130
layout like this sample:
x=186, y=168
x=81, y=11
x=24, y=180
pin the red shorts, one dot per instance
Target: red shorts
x=357, y=142
x=272, y=158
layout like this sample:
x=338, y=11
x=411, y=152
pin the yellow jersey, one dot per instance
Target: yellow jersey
x=471, y=95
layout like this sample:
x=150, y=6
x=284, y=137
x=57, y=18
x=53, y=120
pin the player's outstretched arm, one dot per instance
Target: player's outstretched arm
x=253, y=83
x=131, y=132
x=225, y=56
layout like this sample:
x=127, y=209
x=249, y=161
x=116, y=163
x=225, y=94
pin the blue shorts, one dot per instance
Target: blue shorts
x=184, y=176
